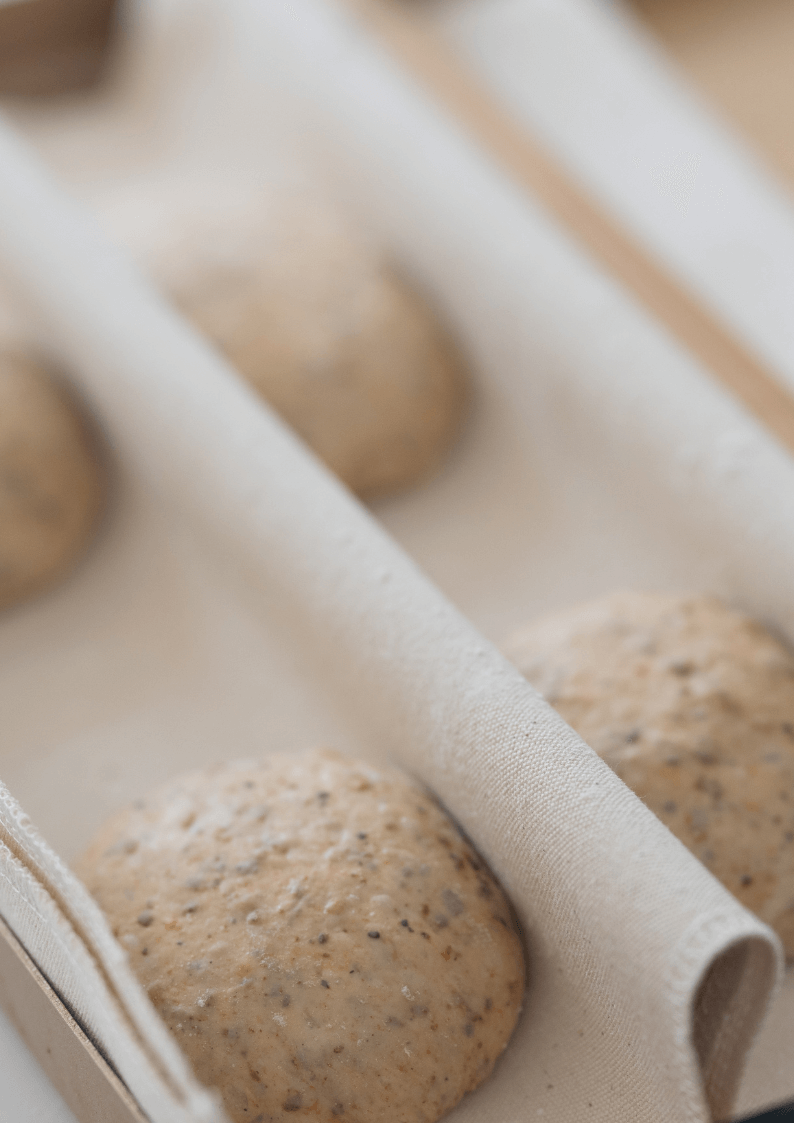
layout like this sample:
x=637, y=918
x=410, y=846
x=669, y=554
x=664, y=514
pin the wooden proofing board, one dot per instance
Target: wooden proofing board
x=147, y=657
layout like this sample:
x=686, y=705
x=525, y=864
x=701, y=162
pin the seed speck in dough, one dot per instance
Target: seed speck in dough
x=691, y=702
x=348, y=956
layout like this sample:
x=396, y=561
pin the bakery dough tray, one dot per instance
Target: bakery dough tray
x=598, y=454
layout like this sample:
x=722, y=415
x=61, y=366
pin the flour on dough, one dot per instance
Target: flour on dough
x=318, y=936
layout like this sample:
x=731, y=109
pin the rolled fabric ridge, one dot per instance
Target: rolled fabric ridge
x=66, y=935
x=524, y=297
x=622, y=922
x=677, y=172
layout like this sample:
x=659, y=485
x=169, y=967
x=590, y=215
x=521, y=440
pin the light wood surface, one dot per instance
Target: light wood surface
x=76, y=1068
x=412, y=40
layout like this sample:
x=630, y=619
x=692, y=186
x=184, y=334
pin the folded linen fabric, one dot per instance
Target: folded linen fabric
x=647, y=979
x=64, y=932
x=601, y=95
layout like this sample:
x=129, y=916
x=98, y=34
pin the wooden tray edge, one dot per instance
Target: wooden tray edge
x=70, y=1060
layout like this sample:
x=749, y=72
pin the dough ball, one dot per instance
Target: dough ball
x=317, y=935
x=692, y=704
x=52, y=485
x=347, y=353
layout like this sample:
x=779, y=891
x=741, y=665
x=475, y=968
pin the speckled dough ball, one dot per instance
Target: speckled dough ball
x=345, y=351
x=317, y=935
x=692, y=704
x=51, y=481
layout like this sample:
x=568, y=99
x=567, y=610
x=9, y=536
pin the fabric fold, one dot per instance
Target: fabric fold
x=64, y=932
x=622, y=923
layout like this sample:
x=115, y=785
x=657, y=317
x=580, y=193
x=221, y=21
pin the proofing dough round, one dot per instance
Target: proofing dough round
x=692, y=704
x=318, y=936
x=344, y=350
x=51, y=482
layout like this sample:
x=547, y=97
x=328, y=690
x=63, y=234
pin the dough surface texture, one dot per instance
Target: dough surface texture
x=344, y=350
x=692, y=704
x=52, y=485
x=318, y=936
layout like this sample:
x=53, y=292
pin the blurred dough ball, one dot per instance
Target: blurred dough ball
x=348, y=354
x=692, y=704
x=52, y=485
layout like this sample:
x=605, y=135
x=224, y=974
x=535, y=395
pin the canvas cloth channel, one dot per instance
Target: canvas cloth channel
x=694, y=192
x=63, y=930
x=621, y=921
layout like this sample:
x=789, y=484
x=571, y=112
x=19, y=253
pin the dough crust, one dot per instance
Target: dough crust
x=344, y=350
x=52, y=484
x=692, y=704
x=318, y=936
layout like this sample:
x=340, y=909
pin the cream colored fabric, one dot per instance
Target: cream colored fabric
x=63, y=930
x=611, y=107
x=622, y=923
x=614, y=109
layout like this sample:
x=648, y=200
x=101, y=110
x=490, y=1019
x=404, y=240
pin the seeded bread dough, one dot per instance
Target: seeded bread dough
x=692, y=704
x=51, y=481
x=345, y=351
x=318, y=936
